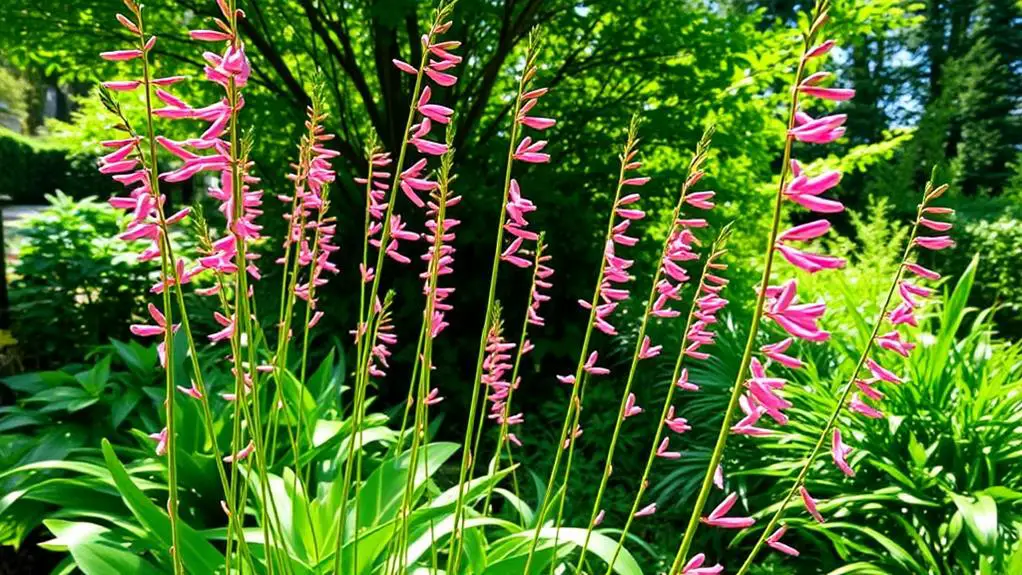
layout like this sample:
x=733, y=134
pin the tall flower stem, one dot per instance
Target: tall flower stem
x=410, y=400
x=843, y=396
x=694, y=164
x=503, y=432
x=421, y=424
x=300, y=475
x=167, y=269
x=361, y=372
x=563, y=490
x=441, y=12
x=736, y=391
x=355, y=444
x=289, y=280
x=573, y=400
x=467, y=456
x=717, y=250
x=172, y=498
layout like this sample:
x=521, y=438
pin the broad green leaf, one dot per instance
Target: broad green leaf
x=195, y=550
x=980, y=515
x=599, y=545
x=93, y=552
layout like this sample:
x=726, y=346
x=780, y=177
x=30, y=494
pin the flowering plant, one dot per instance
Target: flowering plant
x=392, y=518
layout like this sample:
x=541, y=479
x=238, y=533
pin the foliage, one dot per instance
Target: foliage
x=13, y=94
x=58, y=414
x=993, y=230
x=937, y=484
x=34, y=168
x=119, y=528
x=73, y=279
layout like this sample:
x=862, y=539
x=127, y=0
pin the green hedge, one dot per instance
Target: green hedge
x=30, y=169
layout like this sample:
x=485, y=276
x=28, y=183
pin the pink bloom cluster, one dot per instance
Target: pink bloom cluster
x=797, y=320
x=385, y=339
x=615, y=268
x=412, y=181
x=912, y=297
x=126, y=165
x=212, y=151
x=529, y=152
x=495, y=369
x=377, y=185
x=440, y=236
x=539, y=282
x=307, y=215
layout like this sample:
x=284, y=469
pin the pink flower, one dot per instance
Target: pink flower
x=161, y=441
x=856, y=405
x=833, y=94
x=810, y=503
x=663, y=450
x=405, y=67
x=530, y=152
x=209, y=35
x=695, y=566
x=922, y=272
x=747, y=425
x=717, y=517
x=121, y=55
x=805, y=232
x=433, y=397
x=892, y=342
x=646, y=511
x=820, y=49
x=676, y=424
x=805, y=190
x=574, y=435
x=775, y=351
x=809, y=262
x=123, y=86
x=839, y=451
x=799, y=320
x=630, y=408
x=242, y=454
x=882, y=373
x=683, y=382
x=934, y=242
x=591, y=367
x=774, y=541
x=646, y=351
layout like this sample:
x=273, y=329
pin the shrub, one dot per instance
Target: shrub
x=35, y=168
x=74, y=284
x=995, y=234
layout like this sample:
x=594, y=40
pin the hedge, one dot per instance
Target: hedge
x=31, y=168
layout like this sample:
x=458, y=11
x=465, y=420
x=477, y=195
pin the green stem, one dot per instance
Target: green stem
x=503, y=432
x=593, y=303
x=653, y=293
x=651, y=458
x=842, y=398
x=736, y=392
x=567, y=468
x=421, y=424
x=467, y=456
x=166, y=271
x=410, y=400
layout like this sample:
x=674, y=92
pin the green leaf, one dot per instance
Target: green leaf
x=381, y=495
x=980, y=517
x=195, y=550
x=93, y=552
x=599, y=545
